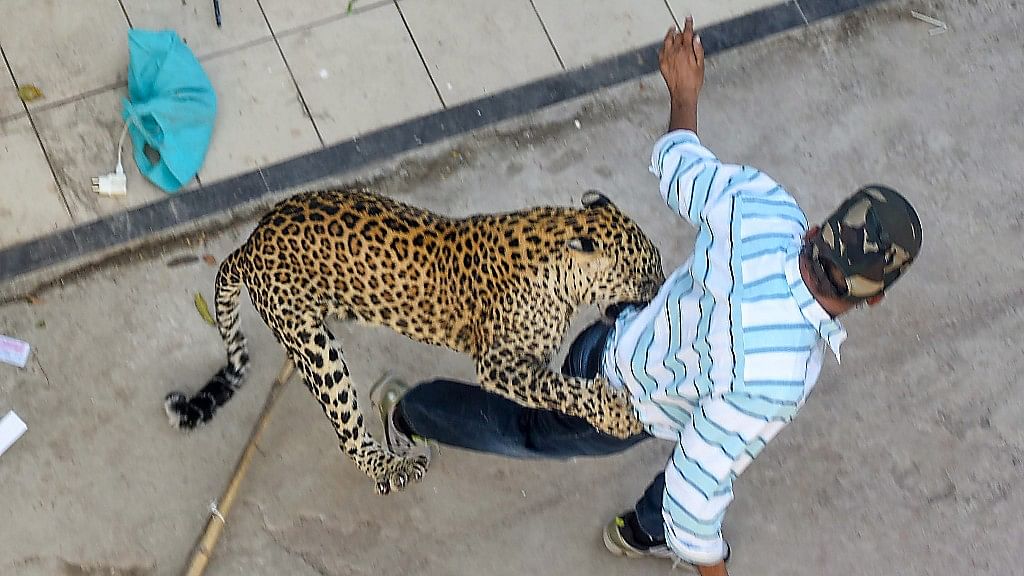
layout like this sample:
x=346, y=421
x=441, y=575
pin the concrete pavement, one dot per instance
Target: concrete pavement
x=908, y=459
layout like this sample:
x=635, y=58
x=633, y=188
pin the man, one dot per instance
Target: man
x=723, y=357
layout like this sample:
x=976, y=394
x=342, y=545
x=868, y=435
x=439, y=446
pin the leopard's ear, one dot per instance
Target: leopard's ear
x=582, y=244
x=594, y=199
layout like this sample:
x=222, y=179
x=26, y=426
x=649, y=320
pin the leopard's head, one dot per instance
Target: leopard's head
x=613, y=260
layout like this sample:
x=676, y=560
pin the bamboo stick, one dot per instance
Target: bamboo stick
x=215, y=525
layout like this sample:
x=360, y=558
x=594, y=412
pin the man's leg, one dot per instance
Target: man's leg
x=648, y=512
x=467, y=416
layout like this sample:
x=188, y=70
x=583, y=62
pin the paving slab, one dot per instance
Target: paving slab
x=286, y=16
x=195, y=22
x=584, y=31
x=10, y=104
x=80, y=138
x=65, y=48
x=351, y=90
x=907, y=459
x=476, y=48
x=260, y=117
x=708, y=13
x=23, y=168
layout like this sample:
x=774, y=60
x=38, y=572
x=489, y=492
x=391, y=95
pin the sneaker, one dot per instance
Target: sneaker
x=385, y=395
x=621, y=537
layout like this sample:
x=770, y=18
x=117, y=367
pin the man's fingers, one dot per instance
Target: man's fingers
x=698, y=51
x=668, y=38
x=688, y=32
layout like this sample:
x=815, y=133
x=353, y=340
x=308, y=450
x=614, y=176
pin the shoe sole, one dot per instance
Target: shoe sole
x=383, y=380
x=622, y=552
x=417, y=448
x=377, y=401
x=614, y=548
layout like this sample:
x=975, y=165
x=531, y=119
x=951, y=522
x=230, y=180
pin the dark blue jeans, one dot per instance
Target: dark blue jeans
x=465, y=415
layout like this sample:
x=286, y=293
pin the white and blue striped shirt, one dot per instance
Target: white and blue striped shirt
x=729, y=349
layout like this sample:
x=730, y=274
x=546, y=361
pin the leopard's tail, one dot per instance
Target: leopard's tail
x=187, y=413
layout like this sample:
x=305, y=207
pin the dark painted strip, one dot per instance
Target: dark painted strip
x=819, y=9
x=179, y=209
x=751, y=27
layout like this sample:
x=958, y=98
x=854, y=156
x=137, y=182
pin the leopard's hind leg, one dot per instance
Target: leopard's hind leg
x=185, y=412
x=318, y=357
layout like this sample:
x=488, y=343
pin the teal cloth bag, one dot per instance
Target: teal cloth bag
x=171, y=107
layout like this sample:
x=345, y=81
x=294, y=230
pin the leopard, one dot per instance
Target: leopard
x=502, y=288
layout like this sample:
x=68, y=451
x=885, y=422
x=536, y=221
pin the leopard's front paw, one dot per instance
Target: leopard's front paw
x=399, y=471
x=614, y=413
x=622, y=425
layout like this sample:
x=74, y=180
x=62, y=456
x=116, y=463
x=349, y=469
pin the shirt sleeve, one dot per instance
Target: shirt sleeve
x=689, y=175
x=700, y=188
x=724, y=435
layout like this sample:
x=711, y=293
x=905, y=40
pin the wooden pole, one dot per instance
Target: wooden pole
x=215, y=525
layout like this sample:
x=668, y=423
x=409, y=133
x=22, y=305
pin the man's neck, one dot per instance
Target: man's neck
x=833, y=306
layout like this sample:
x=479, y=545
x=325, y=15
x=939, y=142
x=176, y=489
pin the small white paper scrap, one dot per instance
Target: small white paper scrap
x=11, y=428
x=14, y=351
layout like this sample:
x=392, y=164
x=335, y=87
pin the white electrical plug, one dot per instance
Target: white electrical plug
x=115, y=183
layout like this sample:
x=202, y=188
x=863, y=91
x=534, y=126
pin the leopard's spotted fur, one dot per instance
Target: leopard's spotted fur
x=502, y=288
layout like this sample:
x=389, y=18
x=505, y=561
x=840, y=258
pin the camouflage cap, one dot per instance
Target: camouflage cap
x=871, y=238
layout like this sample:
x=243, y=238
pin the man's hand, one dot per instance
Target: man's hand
x=682, y=66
